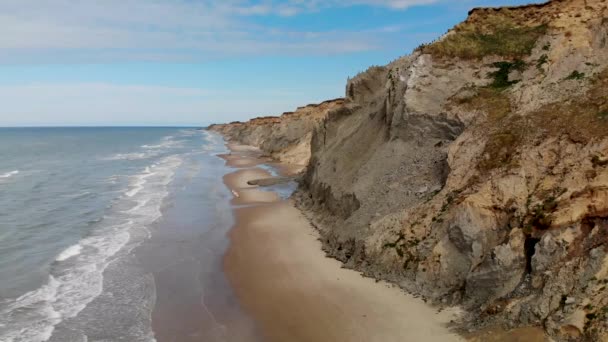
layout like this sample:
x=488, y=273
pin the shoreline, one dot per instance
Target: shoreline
x=293, y=291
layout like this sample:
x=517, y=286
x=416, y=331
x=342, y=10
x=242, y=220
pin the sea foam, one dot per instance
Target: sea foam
x=9, y=174
x=72, y=286
x=69, y=252
x=130, y=156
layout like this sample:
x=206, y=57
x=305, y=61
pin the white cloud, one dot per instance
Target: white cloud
x=398, y=4
x=292, y=7
x=86, y=31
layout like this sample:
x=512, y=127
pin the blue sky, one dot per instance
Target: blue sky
x=194, y=62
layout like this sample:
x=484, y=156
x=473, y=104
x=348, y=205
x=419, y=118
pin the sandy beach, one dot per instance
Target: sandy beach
x=294, y=292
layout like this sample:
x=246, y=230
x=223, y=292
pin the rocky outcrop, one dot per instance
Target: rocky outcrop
x=286, y=137
x=475, y=171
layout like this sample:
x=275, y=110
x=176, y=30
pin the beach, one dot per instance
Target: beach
x=165, y=241
x=293, y=292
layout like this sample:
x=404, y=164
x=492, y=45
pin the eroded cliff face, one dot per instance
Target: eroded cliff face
x=286, y=137
x=475, y=171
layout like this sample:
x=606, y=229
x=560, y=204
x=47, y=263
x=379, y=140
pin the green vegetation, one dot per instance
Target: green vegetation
x=579, y=120
x=501, y=76
x=499, y=36
x=546, y=47
x=575, y=75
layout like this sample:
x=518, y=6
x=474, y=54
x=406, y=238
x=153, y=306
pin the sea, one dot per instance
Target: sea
x=115, y=234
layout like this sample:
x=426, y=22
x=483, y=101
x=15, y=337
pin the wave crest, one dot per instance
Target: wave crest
x=9, y=174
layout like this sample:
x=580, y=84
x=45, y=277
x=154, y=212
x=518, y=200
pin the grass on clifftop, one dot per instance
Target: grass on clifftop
x=500, y=36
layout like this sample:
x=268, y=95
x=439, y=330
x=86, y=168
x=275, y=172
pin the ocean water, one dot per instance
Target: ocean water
x=76, y=206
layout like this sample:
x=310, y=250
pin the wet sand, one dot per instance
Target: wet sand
x=494, y=334
x=194, y=300
x=266, y=278
x=295, y=293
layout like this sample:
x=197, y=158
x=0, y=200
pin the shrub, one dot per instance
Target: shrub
x=501, y=76
x=582, y=119
x=575, y=75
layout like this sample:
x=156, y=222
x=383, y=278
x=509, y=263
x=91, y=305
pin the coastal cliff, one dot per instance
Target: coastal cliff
x=287, y=137
x=474, y=171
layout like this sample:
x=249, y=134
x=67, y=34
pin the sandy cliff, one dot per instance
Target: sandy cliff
x=286, y=137
x=475, y=171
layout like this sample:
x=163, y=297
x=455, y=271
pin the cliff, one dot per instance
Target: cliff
x=475, y=170
x=286, y=137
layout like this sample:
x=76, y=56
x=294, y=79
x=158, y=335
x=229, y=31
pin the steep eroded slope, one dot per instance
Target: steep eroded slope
x=475, y=170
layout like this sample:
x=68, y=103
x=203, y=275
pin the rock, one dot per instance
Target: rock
x=574, y=326
x=498, y=276
x=270, y=181
x=515, y=76
x=422, y=190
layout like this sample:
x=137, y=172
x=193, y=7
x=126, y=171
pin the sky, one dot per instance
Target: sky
x=196, y=62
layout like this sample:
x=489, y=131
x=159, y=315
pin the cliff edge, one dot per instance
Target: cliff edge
x=285, y=138
x=475, y=170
